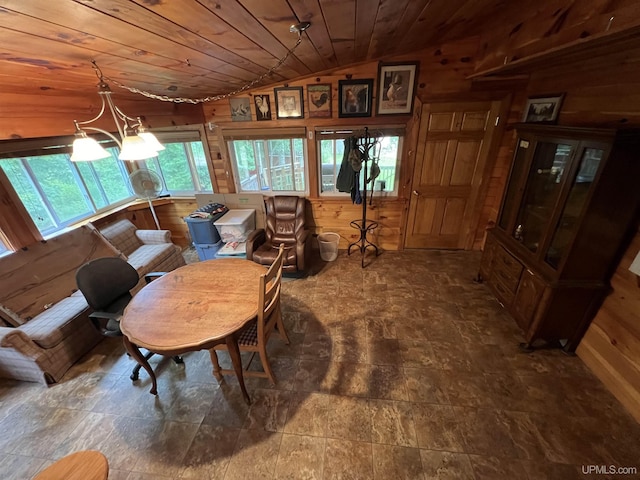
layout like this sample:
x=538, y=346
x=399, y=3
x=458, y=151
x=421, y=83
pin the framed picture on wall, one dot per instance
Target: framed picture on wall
x=543, y=108
x=289, y=102
x=319, y=100
x=240, y=109
x=263, y=107
x=396, y=87
x=355, y=98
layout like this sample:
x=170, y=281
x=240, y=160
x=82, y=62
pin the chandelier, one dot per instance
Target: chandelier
x=135, y=142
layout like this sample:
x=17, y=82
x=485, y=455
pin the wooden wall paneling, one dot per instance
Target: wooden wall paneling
x=16, y=225
x=214, y=157
x=312, y=153
x=557, y=32
x=171, y=216
x=26, y=116
x=220, y=160
x=444, y=70
x=602, y=93
x=335, y=215
x=611, y=345
x=407, y=166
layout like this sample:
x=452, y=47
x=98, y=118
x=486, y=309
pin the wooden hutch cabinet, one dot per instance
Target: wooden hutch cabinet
x=570, y=206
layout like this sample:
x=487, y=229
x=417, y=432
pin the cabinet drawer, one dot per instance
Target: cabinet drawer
x=504, y=293
x=506, y=269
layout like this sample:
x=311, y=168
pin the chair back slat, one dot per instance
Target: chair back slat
x=269, y=298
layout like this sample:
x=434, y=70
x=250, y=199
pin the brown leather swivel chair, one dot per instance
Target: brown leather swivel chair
x=285, y=223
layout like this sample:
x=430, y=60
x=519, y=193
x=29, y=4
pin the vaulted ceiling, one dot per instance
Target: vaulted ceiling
x=197, y=48
x=202, y=48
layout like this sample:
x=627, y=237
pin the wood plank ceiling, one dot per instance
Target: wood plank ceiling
x=198, y=48
x=201, y=48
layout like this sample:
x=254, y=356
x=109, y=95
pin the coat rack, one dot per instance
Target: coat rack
x=365, y=145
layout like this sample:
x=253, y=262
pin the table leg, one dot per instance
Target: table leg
x=138, y=357
x=234, y=353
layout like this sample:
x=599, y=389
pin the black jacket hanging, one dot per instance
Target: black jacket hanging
x=346, y=175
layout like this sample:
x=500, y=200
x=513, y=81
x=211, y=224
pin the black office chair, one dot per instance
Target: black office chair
x=106, y=284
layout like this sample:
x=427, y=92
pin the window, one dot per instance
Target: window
x=3, y=249
x=58, y=192
x=331, y=151
x=268, y=160
x=183, y=163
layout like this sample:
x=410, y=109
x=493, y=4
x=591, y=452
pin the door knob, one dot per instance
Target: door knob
x=416, y=193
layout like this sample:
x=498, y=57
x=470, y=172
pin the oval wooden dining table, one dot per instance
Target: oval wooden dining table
x=194, y=307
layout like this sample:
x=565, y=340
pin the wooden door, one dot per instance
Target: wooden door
x=453, y=147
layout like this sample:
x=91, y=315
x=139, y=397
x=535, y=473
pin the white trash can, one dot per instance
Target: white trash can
x=328, y=243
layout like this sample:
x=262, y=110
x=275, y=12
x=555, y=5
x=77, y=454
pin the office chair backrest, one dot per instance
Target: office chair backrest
x=103, y=280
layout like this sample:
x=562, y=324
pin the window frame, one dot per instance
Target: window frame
x=341, y=133
x=81, y=184
x=184, y=134
x=264, y=135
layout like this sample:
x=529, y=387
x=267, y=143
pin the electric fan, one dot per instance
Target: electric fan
x=147, y=185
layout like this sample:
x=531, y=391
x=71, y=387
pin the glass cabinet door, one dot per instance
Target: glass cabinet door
x=511, y=197
x=589, y=163
x=547, y=171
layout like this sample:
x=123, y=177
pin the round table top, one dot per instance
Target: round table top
x=84, y=465
x=193, y=305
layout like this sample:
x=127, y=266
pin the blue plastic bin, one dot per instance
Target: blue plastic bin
x=207, y=251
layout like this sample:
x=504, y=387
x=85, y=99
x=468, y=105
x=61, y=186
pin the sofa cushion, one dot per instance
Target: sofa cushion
x=122, y=235
x=50, y=327
x=147, y=257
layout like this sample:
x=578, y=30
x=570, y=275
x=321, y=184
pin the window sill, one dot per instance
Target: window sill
x=133, y=205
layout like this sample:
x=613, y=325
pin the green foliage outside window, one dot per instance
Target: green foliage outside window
x=178, y=163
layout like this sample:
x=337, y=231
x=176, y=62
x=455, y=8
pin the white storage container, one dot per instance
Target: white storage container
x=236, y=225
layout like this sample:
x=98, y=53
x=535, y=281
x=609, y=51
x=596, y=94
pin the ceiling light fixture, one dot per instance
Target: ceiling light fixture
x=135, y=142
x=298, y=28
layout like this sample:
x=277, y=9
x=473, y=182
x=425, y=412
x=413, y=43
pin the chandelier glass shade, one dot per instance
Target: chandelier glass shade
x=135, y=142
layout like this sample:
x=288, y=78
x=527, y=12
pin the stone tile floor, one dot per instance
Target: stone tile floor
x=406, y=369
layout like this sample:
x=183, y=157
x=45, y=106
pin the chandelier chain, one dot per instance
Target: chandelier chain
x=166, y=98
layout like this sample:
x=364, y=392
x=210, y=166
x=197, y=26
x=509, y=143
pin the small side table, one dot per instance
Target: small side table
x=83, y=465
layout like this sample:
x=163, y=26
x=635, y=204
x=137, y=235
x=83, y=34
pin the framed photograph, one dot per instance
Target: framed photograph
x=240, y=109
x=543, y=109
x=396, y=87
x=263, y=107
x=289, y=102
x=319, y=100
x=355, y=98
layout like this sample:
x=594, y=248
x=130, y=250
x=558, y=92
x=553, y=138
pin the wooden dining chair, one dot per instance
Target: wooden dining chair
x=255, y=337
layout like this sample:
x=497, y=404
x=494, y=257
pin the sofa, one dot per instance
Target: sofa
x=44, y=325
x=145, y=250
x=44, y=319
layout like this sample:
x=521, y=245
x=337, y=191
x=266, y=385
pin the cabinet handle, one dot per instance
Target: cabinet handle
x=416, y=193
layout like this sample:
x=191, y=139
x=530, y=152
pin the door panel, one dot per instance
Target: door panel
x=451, y=154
